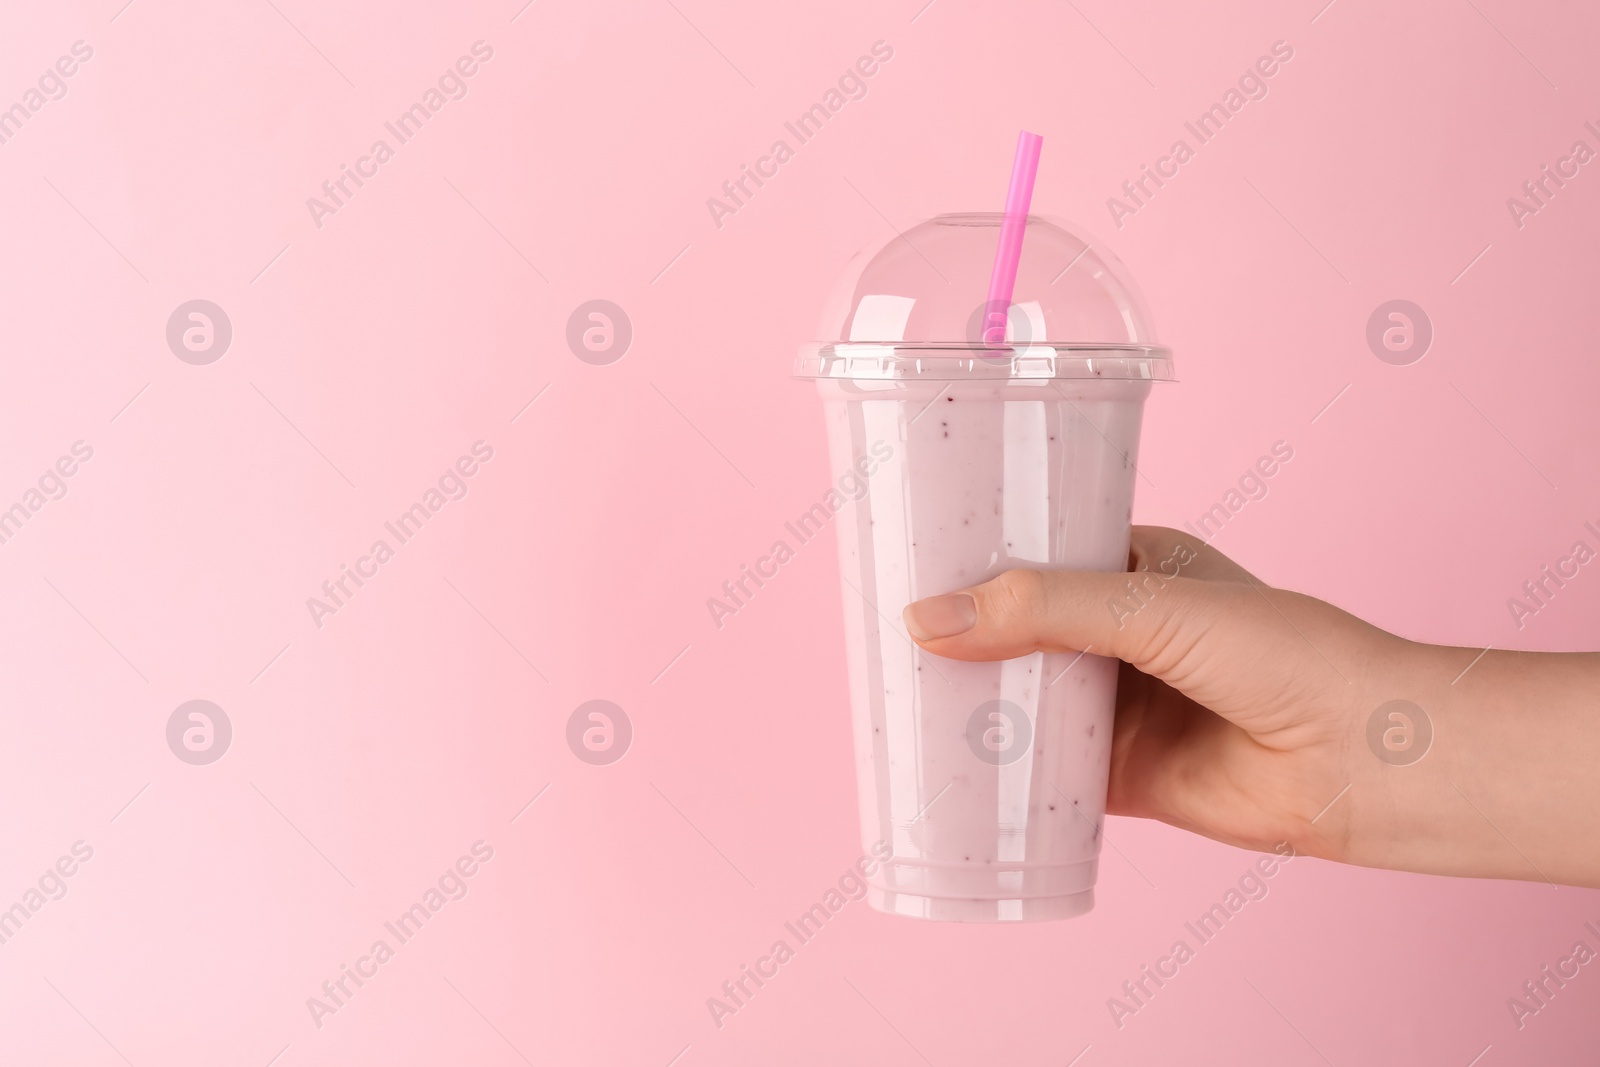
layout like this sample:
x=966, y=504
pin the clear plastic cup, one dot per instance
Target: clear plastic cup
x=987, y=780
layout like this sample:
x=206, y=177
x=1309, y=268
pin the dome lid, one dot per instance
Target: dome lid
x=920, y=297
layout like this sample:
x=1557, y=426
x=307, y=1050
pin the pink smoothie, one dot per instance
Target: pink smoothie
x=988, y=780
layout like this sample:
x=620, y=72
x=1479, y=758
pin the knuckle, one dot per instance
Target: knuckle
x=1017, y=595
x=1170, y=644
x=1159, y=546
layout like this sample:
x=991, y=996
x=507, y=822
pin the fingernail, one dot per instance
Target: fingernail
x=941, y=616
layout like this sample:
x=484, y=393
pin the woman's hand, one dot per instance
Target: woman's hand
x=1245, y=713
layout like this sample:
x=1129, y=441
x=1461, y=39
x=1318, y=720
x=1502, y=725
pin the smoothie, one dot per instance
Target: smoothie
x=987, y=780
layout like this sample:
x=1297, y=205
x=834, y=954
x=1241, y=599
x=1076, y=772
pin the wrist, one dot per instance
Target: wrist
x=1478, y=765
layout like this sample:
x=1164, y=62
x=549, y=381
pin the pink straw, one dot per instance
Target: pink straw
x=1003, y=282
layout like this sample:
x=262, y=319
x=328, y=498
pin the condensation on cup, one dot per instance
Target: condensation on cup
x=988, y=780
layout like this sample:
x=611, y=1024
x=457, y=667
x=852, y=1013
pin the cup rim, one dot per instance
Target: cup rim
x=961, y=360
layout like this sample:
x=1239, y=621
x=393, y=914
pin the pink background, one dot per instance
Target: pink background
x=367, y=355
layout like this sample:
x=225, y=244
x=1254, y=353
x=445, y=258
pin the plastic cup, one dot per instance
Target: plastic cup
x=987, y=780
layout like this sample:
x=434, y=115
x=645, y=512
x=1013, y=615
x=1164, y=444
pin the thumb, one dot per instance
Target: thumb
x=1150, y=620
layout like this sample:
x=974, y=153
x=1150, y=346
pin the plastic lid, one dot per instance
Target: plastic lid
x=913, y=307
